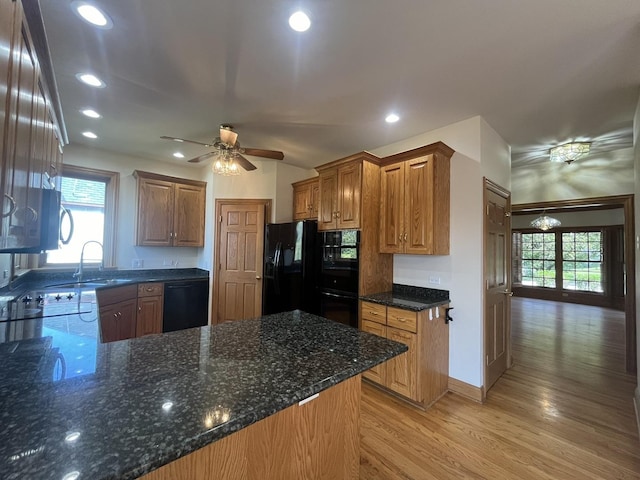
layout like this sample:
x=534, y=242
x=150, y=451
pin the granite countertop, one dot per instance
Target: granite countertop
x=409, y=297
x=122, y=409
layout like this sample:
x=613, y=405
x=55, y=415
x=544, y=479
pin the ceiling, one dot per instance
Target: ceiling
x=539, y=72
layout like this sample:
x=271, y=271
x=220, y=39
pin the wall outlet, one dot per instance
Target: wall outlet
x=434, y=280
x=137, y=263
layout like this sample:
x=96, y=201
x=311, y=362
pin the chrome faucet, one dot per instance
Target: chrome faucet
x=80, y=270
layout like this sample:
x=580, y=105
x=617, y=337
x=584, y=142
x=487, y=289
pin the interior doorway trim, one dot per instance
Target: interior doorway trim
x=598, y=203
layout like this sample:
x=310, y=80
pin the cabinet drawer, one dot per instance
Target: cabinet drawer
x=402, y=319
x=150, y=289
x=108, y=296
x=373, y=312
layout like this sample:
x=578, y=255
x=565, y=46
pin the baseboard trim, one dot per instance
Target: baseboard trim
x=636, y=404
x=471, y=392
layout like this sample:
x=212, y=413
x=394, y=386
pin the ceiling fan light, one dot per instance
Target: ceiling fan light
x=299, y=21
x=225, y=167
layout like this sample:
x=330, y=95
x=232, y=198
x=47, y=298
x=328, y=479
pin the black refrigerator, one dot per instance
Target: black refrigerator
x=291, y=267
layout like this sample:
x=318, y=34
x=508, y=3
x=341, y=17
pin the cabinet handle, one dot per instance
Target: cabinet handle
x=149, y=289
x=13, y=207
x=337, y=214
x=405, y=236
x=139, y=309
x=373, y=313
x=400, y=237
x=115, y=315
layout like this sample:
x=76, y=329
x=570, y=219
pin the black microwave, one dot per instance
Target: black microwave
x=49, y=217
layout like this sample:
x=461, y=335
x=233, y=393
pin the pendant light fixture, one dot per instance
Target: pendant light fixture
x=544, y=222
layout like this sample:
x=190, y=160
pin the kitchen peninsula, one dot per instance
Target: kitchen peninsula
x=154, y=402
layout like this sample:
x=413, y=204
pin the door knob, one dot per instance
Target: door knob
x=508, y=292
x=257, y=277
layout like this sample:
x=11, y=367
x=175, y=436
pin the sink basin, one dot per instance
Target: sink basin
x=92, y=283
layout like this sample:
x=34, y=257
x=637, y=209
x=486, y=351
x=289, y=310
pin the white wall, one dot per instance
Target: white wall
x=598, y=175
x=479, y=152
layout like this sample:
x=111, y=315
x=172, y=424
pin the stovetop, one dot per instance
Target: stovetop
x=51, y=303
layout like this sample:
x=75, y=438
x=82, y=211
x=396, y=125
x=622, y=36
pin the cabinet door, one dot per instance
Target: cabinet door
x=392, y=189
x=118, y=321
x=378, y=373
x=301, y=202
x=402, y=371
x=328, y=191
x=155, y=213
x=418, y=205
x=315, y=200
x=188, y=216
x=348, y=196
x=149, y=317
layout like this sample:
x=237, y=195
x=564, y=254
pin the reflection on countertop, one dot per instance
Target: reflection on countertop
x=154, y=399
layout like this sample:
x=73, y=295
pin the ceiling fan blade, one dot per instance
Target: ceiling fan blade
x=175, y=139
x=259, y=152
x=227, y=135
x=201, y=157
x=244, y=163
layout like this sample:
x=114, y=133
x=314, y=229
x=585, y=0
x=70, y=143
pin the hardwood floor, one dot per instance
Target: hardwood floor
x=563, y=411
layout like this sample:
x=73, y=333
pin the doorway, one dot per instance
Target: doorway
x=239, y=251
x=626, y=203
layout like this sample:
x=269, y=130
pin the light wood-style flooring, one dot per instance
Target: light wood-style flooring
x=563, y=411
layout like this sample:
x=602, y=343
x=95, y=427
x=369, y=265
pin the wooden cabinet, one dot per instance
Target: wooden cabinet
x=130, y=311
x=350, y=187
x=150, y=305
x=171, y=211
x=421, y=374
x=305, y=199
x=339, y=193
x=117, y=308
x=30, y=139
x=415, y=204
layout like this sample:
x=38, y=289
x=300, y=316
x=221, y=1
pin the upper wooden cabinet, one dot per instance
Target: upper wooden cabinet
x=340, y=187
x=415, y=204
x=30, y=134
x=171, y=211
x=305, y=199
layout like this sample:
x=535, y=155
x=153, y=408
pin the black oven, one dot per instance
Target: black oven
x=340, y=252
x=339, y=307
x=339, y=266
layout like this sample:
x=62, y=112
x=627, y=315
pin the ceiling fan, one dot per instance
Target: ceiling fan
x=228, y=148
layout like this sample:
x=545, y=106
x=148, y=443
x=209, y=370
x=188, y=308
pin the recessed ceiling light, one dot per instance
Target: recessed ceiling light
x=90, y=79
x=90, y=113
x=299, y=21
x=392, y=118
x=89, y=134
x=92, y=14
x=178, y=155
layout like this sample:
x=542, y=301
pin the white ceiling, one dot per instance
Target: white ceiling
x=540, y=72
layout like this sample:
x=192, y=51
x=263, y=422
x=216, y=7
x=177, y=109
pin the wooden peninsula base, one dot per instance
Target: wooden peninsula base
x=317, y=440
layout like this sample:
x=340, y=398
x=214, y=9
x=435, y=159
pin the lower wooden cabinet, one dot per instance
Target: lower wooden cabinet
x=118, y=308
x=130, y=311
x=421, y=374
x=150, y=305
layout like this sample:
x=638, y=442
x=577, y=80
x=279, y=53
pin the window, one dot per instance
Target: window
x=538, y=260
x=567, y=259
x=582, y=261
x=90, y=195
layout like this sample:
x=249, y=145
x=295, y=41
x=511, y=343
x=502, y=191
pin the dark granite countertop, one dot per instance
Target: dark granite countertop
x=122, y=409
x=410, y=298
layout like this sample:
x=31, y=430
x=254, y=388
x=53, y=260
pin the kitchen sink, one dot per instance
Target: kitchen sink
x=92, y=283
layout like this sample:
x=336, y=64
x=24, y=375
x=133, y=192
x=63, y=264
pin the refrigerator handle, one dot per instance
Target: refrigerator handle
x=277, y=257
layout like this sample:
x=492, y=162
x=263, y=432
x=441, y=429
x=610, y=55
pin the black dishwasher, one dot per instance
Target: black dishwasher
x=186, y=304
